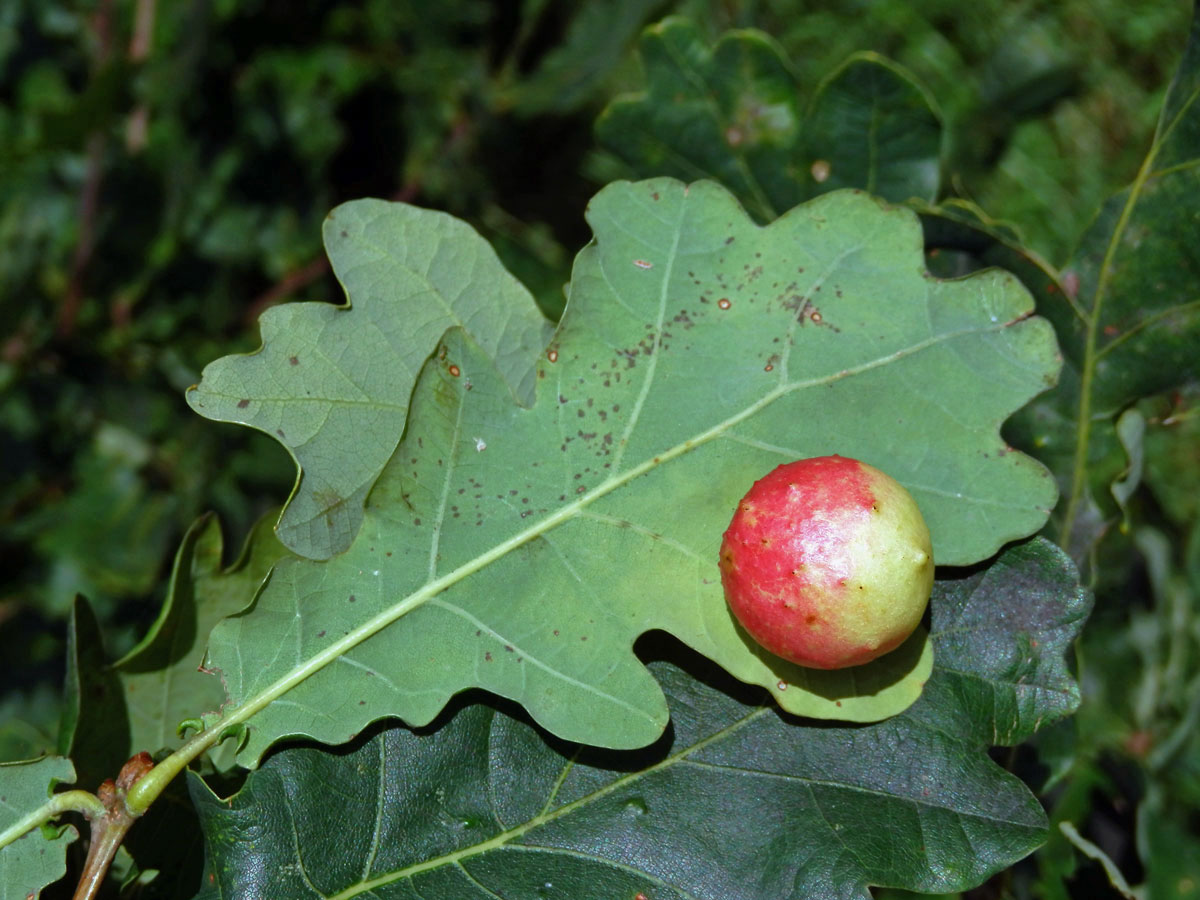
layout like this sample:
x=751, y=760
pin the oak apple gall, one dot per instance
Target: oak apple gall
x=827, y=562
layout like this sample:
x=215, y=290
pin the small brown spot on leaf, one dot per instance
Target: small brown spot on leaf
x=242, y=404
x=455, y=371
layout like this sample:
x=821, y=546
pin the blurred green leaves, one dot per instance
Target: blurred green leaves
x=734, y=114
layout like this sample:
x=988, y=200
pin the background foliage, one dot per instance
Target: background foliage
x=161, y=186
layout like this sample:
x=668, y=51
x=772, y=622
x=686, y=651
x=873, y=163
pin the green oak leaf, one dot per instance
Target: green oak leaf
x=1132, y=326
x=332, y=384
x=1172, y=448
x=1001, y=635
x=112, y=711
x=960, y=239
x=160, y=678
x=29, y=722
x=524, y=550
x=33, y=861
x=958, y=229
x=733, y=113
x=873, y=126
x=736, y=802
x=93, y=725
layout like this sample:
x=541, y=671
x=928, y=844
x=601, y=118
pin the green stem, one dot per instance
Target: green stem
x=1084, y=432
x=68, y=801
x=1091, y=851
x=147, y=788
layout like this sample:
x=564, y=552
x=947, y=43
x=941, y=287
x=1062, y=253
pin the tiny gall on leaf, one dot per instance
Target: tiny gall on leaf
x=827, y=562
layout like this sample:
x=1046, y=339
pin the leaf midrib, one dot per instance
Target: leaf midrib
x=509, y=834
x=506, y=837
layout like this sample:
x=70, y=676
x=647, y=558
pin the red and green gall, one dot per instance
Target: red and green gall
x=827, y=562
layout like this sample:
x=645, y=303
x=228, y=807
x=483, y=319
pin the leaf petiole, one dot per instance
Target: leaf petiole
x=78, y=801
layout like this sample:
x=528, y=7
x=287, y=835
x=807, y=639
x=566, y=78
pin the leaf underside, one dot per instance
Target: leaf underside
x=32, y=862
x=737, y=801
x=524, y=549
x=332, y=384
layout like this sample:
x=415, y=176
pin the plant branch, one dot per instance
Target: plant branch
x=287, y=285
x=1083, y=432
x=107, y=834
x=83, y=802
x=89, y=195
x=1091, y=851
x=147, y=789
x=109, y=829
x=139, y=51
